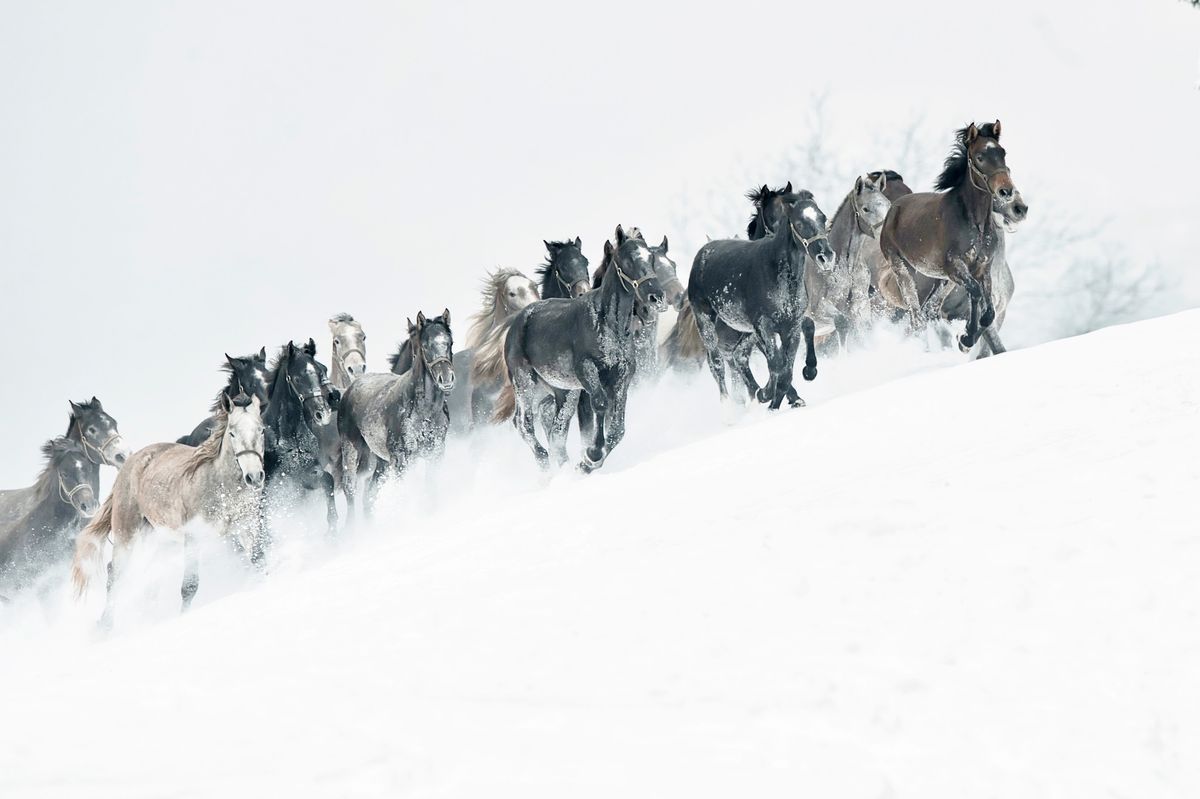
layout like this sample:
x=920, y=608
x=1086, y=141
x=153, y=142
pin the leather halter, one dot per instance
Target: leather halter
x=861, y=217
x=340, y=355
x=315, y=394
x=634, y=285
x=973, y=170
x=806, y=242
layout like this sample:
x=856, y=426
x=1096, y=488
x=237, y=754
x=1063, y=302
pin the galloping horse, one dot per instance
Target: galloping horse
x=38, y=524
x=388, y=419
x=505, y=292
x=751, y=294
x=951, y=234
x=557, y=348
x=168, y=486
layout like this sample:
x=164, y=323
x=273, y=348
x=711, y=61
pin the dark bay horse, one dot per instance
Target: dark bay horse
x=950, y=234
x=302, y=405
x=748, y=294
x=245, y=375
x=565, y=273
x=38, y=524
x=565, y=355
x=388, y=420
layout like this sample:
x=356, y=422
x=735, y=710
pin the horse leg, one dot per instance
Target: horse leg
x=331, y=514
x=902, y=270
x=120, y=554
x=616, y=413
x=378, y=471
x=547, y=409
x=739, y=359
x=960, y=274
x=566, y=404
x=593, y=449
x=350, y=461
x=766, y=340
x=989, y=308
x=859, y=303
x=191, y=571
x=712, y=346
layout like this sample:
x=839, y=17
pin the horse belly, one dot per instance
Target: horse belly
x=560, y=372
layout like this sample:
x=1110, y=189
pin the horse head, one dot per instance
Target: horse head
x=433, y=343
x=97, y=433
x=249, y=374
x=69, y=463
x=871, y=204
x=308, y=379
x=633, y=264
x=245, y=436
x=349, y=345
x=808, y=228
x=568, y=266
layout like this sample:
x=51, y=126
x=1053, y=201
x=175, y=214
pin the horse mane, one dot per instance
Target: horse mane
x=890, y=173
x=546, y=269
x=210, y=448
x=598, y=275
x=52, y=451
x=403, y=352
x=231, y=382
x=274, y=365
x=761, y=196
x=955, y=168
x=342, y=318
x=87, y=405
x=491, y=311
x=488, y=364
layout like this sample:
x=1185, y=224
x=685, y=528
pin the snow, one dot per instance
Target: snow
x=977, y=580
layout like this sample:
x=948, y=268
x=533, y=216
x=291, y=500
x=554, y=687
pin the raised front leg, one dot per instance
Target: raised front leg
x=988, y=316
x=959, y=273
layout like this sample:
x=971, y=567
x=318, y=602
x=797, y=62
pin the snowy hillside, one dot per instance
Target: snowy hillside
x=977, y=581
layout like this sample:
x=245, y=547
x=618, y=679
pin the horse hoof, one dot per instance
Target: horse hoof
x=986, y=321
x=809, y=372
x=796, y=403
x=762, y=396
x=965, y=343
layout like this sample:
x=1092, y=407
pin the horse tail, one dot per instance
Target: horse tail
x=683, y=344
x=89, y=547
x=506, y=403
x=489, y=364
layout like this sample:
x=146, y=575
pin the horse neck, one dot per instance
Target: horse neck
x=789, y=253
x=614, y=301
x=552, y=283
x=976, y=202
x=49, y=500
x=339, y=376
x=285, y=412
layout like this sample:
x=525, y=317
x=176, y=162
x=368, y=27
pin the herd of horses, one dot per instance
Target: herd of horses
x=542, y=353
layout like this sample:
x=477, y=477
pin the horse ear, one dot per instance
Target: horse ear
x=996, y=130
x=75, y=409
x=620, y=234
x=291, y=348
x=578, y=243
x=881, y=183
x=332, y=326
x=765, y=190
x=420, y=319
x=972, y=133
x=262, y=354
x=446, y=316
x=608, y=249
x=550, y=246
x=788, y=188
x=226, y=405
x=411, y=327
x=310, y=348
x=663, y=246
x=96, y=404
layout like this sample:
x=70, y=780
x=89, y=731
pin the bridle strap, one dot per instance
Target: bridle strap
x=68, y=495
x=253, y=452
x=317, y=394
x=973, y=170
x=806, y=242
x=89, y=448
x=861, y=217
x=634, y=285
x=340, y=355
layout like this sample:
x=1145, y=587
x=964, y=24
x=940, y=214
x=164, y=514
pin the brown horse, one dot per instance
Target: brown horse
x=951, y=234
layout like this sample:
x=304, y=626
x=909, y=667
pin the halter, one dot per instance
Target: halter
x=315, y=394
x=253, y=452
x=68, y=495
x=340, y=356
x=634, y=285
x=88, y=448
x=973, y=170
x=861, y=216
x=806, y=242
x=567, y=287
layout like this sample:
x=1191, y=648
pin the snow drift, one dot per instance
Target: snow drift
x=978, y=581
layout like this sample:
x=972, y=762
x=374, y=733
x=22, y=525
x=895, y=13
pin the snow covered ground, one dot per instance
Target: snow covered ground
x=978, y=581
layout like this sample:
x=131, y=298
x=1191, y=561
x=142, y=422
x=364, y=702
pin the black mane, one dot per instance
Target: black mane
x=955, y=168
x=764, y=195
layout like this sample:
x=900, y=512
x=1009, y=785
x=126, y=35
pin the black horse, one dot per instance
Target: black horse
x=568, y=353
x=751, y=293
x=38, y=524
x=565, y=273
x=389, y=419
x=302, y=404
x=246, y=375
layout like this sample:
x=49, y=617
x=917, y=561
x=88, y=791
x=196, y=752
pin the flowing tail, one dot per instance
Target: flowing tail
x=506, y=403
x=89, y=548
x=683, y=346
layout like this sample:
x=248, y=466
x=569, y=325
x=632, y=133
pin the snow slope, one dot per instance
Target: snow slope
x=979, y=581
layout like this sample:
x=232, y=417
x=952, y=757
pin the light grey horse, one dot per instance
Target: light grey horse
x=39, y=523
x=840, y=298
x=349, y=351
x=481, y=361
x=171, y=486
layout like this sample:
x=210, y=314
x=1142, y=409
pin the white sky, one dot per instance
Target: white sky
x=180, y=180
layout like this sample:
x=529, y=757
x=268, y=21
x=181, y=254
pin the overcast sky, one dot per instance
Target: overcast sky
x=181, y=180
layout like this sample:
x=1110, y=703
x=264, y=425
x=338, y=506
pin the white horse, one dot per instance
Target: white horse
x=168, y=486
x=349, y=353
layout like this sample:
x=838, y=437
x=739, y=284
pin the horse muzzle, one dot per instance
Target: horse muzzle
x=443, y=376
x=580, y=287
x=116, y=453
x=86, y=505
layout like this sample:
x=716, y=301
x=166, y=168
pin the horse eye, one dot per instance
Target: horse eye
x=91, y=430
